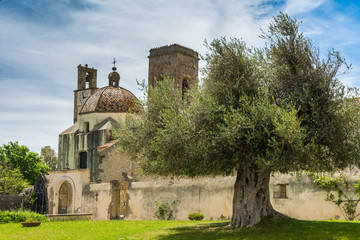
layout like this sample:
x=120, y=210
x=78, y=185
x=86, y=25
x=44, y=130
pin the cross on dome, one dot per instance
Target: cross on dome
x=114, y=68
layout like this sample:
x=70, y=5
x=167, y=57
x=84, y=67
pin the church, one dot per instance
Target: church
x=96, y=180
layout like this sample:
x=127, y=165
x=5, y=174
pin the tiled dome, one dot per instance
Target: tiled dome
x=109, y=99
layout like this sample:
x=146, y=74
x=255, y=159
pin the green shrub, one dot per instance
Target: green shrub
x=196, y=216
x=164, y=209
x=21, y=216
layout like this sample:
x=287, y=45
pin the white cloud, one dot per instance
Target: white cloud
x=302, y=6
x=38, y=61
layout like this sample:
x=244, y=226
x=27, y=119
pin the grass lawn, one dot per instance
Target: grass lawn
x=166, y=230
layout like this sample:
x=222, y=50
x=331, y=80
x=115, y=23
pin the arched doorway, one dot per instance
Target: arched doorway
x=65, y=198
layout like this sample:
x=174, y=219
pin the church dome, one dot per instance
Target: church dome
x=110, y=99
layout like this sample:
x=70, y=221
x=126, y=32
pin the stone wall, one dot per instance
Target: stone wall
x=213, y=197
x=89, y=198
x=97, y=199
x=304, y=199
x=174, y=61
x=68, y=217
x=299, y=197
x=210, y=196
x=112, y=163
x=8, y=202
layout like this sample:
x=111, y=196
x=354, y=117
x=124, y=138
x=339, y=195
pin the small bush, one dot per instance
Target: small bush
x=21, y=216
x=196, y=216
x=164, y=209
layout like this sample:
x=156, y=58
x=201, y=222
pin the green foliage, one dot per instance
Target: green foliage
x=11, y=181
x=29, y=201
x=297, y=75
x=21, y=216
x=196, y=216
x=164, y=210
x=203, y=136
x=49, y=157
x=347, y=193
x=16, y=156
x=280, y=108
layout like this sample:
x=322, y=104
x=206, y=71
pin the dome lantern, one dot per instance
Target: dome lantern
x=114, y=77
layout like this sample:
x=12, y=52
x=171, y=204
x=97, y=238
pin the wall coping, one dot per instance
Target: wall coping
x=174, y=48
x=70, y=214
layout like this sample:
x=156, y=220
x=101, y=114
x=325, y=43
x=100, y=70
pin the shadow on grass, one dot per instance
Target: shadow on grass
x=269, y=229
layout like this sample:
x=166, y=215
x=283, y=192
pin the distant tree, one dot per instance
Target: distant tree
x=259, y=110
x=16, y=156
x=49, y=157
x=11, y=181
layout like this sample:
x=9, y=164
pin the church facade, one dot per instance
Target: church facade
x=95, y=178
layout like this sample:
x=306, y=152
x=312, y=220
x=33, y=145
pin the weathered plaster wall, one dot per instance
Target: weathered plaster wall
x=305, y=200
x=66, y=151
x=112, y=163
x=97, y=200
x=78, y=180
x=210, y=196
x=213, y=197
x=87, y=197
x=72, y=144
x=95, y=118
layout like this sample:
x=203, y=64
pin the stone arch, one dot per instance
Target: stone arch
x=185, y=85
x=65, y=196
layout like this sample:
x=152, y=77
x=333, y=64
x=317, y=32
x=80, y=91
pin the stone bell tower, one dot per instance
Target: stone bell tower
x=87, y=85
x=174, y=61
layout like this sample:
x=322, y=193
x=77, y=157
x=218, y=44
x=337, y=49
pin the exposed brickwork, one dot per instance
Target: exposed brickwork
x=175, y=61
x=113, y=163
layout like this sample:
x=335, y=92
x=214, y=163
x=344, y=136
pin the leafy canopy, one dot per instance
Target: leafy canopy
x=11, y=181
x=279, y=108
x=296, y=74
x=16, y=156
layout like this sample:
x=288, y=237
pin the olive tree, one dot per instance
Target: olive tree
x=258, y=111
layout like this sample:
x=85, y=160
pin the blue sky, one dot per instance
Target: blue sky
x=43, y=41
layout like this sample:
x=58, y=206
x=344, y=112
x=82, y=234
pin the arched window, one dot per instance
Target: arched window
x=83, y=160
x=185, y=85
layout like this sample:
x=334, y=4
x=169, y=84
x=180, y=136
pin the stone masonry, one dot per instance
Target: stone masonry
x=176, y=62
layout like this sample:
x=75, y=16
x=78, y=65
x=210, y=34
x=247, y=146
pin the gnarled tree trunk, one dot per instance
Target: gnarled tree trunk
x=251, y=200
